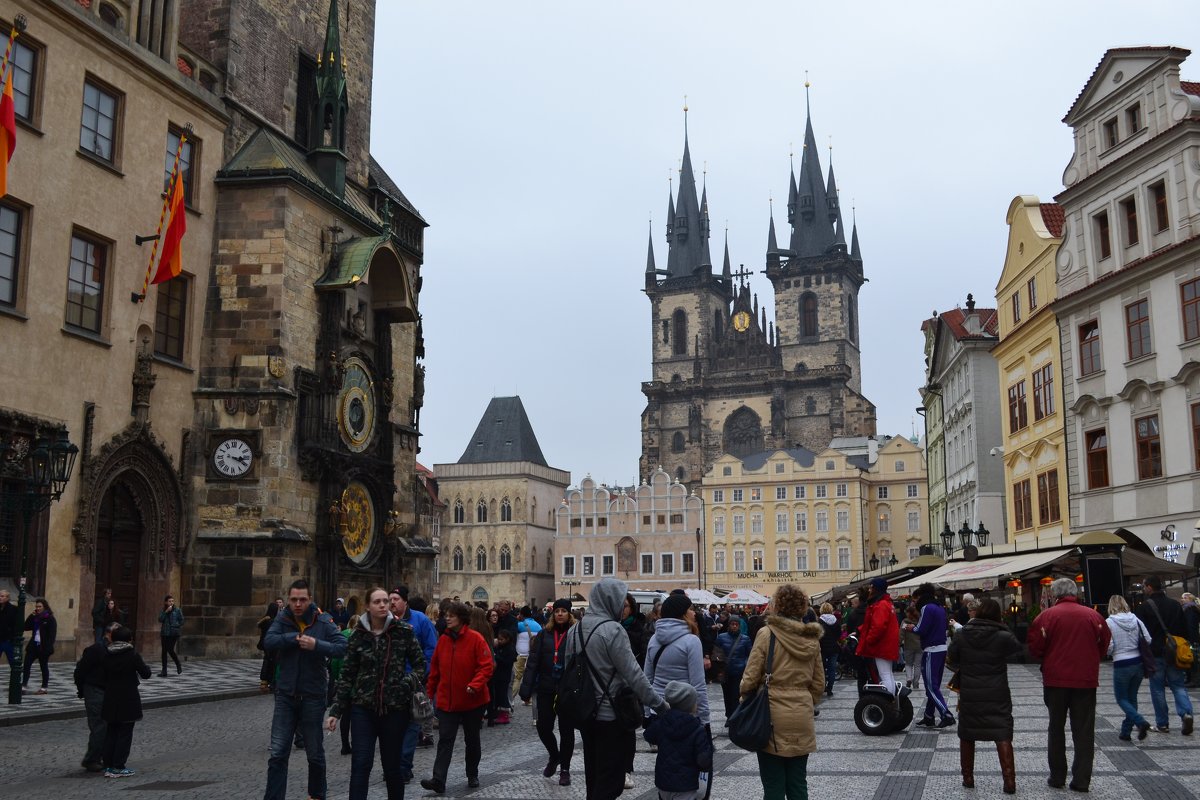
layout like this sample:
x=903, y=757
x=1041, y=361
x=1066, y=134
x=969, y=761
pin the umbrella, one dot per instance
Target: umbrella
x=745, y=597
x=702, y=597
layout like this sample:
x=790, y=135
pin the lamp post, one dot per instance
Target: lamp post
x=874, y=562
x=893, y=561
x=981, y=535
x=947, y=540
x=964, y=535
x=50, y=465
x=699, y=555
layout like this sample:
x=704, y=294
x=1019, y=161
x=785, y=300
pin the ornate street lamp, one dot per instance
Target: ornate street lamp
x=874, y=562
x=947, y=540
x=964, y=535
x=981, y=535
x=893, y=560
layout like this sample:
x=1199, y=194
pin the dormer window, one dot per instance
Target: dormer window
x=1133, y=119
x=1112, y=136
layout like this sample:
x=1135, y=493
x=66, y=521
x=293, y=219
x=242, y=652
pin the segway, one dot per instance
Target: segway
x=878, y=711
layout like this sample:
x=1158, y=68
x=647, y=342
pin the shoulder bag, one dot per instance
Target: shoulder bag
x=1174, y=647
x=750, y=726
x=1148, y=665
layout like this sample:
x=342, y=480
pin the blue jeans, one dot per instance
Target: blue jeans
x=1172, y=676
x=830, y=663
x=99, y=634
x=365, y=727
x=305, y=712
x=6, y=647
x=412, y=737
x=1126, y=680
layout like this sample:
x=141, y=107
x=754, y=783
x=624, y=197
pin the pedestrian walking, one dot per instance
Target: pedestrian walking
x=797, y=683
x=458, y=683
x=266, y=673
x=170, y=621
x=527, y=628
x=685, y=749
x=1125, y=649
x=676, y=653
x=43, y=629
x=831, y=645
x=335, y=675
x=340, y=614
x=1163, y=617
x=637, y=628
x=1191, y=619
x=98, y=610
x=10, y=623
x=736, y=647
x=382, y=661
x=931, y=628
x=89, y=687
x=504, y=655
x=427, y=637
x=606, y=742
x=1070, y=639
x=543, y=671
x=979, y=654
x=879, y=635
x=303, y=639
x=910, y=646
x=122, y=705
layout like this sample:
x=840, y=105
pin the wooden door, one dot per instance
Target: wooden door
x=118, y=550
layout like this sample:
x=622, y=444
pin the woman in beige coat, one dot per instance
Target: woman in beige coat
x=797, y=682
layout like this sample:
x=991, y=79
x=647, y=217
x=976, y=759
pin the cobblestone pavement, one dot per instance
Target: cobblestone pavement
x=219, y=750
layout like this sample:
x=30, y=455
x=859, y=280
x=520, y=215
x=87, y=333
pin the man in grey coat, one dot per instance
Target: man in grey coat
x=605, y=741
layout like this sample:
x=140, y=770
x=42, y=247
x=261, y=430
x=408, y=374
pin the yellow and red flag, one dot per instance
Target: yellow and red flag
x=171, y=262
x=8, y=132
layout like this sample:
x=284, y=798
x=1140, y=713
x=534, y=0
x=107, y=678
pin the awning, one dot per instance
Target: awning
x=975, y=574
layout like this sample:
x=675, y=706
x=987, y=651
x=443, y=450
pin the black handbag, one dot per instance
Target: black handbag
x=1149, y=667
x=750, y=726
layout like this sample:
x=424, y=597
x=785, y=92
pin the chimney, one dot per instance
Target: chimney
x=971, y=317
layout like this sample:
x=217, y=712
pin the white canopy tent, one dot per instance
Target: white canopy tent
x=984, y=572
x=744, y=597
x=702, y=597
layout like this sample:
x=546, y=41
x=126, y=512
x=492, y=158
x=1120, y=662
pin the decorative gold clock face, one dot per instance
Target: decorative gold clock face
x=356, y=406
x=359, y=532
x=741, y=321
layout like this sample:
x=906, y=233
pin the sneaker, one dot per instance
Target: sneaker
x=1187, y=724
x=564, y=778
x=946, y=721
x=42, y=690
x=1143, y=731
x=1162, y=729
x=162, y=674
x=925, y=722
x=473, y=783
x=433, y=785
x=550, y=769
x=426, y=741
x=118, y=773
x=628, y=780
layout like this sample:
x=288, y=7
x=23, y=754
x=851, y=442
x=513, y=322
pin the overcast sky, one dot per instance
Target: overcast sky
x=537, y=139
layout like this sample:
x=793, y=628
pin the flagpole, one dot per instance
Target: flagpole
x=17, y=29
x=162, y=218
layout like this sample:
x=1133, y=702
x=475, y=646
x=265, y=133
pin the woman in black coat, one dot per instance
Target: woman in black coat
x=122, y=700
x=43, y=629
x=979, y=654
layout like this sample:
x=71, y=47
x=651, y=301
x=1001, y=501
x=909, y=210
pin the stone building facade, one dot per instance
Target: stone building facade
x=1128, y=305
x=725, y=379
x=650, y=536
x=100, y=102
x=497, y=542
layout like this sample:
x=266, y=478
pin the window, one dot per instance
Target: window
x=170, y=316
x=687, y=563
x=781, y=493
x=739, y=523
x=739, y=561
x=841, y=490
x=607, y=564
x=843, y=557
x=782, y=562
x=481, y=512
x=1043, y=392
x=899, y=466
x=1016, y=307
x=802, y=559
x=843, y=520
x=1196, y=434
x=885, y=522
x=647, y=563
x=756, y=523
x=1133, y=119
x=481, y=560
x=756, y=494
x=1149, y=448
x=808, y=315
x=568, y=566
x=458, y=559
x=506, y=511
x=1031, y=289
x=677, y=519
x=680, y=334
x=677, y=442
x=913, y=552
x=1017, y=415
x=718, y=496
x=85, y=283
x=756, y=560
x=1103, y=240
x=11, y=220
x=781, y=522
x=1097, y=458
x=800, y=493
x=718, y=561
x=779, y=467
x=885, y=554
x=881, y=492
x=822, y=490
x=737, y=495
x=1111, y=134
x=1022, y=509
x=24, y=61
x=506, y=560
x=1129, y=215
x=726, y=471
x=718, y=526
x=914, y=521
x=589, y=565
x=1047, y=487
x=829, y=465
x=1190, y=302
x=98, y=128
x=912, y=490
x=801, y=522
x=459, y=514
x=1158, y=199
x=822, y=520
x=187, y=164
x=1137, y=328
x=1089, y=348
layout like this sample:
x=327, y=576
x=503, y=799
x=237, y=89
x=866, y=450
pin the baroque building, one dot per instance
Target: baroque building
x=501, y=498
x=725, y=379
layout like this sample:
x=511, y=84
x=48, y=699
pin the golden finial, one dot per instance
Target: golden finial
x=831, y=144
x=685, y=109
x=319, y=60
x=806, y=83
x=704, y=169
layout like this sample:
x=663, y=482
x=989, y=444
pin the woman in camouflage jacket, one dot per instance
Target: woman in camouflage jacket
x=382, y=665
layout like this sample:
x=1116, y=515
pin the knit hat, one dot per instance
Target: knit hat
x=562, y=602
x=880, y=585
x=675, y=606
x=680, y=696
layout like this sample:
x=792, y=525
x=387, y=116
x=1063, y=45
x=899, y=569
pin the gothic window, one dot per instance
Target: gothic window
x=666, y=330
x=743, y=433
x=505, y=510
x=681, y=474
x=717, y=325
x=677, y=443
x=808, y=314
x=810, y=406
x=458, y=559
x=481, y=559
x=680, y=334
x=549, y=561
x=533, y=558
x=460, y=515
x=851, y=319
x=481, y=512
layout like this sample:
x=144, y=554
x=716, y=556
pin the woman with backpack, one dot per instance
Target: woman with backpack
x=543, y=671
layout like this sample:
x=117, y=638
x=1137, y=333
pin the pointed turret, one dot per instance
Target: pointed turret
x=687, y=238
x=791, y=192
x=650, y=271
x=812, y=229
x=839, y=236
x=670, y=217
x=726, y=271
x=854, y=253
x=327, y=129
x=705, y=231
x=772, y=244
x=831, y=195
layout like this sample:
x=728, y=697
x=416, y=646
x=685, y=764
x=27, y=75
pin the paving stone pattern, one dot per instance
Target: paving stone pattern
x=219, y=750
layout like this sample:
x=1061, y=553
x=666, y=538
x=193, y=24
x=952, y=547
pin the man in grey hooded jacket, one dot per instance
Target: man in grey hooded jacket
x=610, y=655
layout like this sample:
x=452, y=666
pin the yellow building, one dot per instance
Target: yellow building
x=794, y=516
x=1028, y=356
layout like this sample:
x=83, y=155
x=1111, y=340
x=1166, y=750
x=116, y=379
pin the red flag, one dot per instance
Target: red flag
x=8, y=132
x=171, y=263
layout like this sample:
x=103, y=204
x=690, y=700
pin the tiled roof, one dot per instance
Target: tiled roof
x=504, y=435
x=801, y=455
x=1054, y=217
x=955, y=320
x=1190, y=87
x=378, y=175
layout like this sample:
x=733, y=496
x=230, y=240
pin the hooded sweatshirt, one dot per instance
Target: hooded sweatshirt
x=682, y=659
x=374, y=669
x=608, y=649
x=1126, y=628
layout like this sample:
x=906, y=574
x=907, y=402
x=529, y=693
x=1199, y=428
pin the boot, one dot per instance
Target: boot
x=966, y=759
x=1008, y=766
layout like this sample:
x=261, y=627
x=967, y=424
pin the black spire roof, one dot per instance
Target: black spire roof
x=688, y=230
x=504, y=434
x=812, y=224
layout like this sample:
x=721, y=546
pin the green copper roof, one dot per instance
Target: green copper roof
x=353, y=261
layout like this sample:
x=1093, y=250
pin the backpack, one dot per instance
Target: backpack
x=576, y=703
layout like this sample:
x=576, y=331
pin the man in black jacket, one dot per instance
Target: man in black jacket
x=10, y=623
x=1162, y=615
x=89, y=686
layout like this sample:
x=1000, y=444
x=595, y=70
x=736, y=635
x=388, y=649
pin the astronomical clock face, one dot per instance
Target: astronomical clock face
x=359, y=533
x=741, y=321
x=356, y=406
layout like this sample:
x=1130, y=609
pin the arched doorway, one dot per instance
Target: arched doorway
x=119, y=532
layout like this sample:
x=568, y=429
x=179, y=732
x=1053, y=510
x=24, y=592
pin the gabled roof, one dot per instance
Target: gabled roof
x=955, y=320
x=504, y=434
x=1190, y=87
x=800, y=455
x=382, y=181
x=1120, y=52
x=1054, y=217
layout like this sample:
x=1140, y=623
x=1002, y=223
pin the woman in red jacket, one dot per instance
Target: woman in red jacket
x=879, y=634
x=458, y=683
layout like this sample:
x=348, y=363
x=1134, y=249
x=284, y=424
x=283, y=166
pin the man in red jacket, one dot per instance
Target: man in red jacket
x=879, y=634
x=1070, y=639
x=458, y=683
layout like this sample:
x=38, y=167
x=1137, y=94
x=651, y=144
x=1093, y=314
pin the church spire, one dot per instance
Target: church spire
x=812, y=229
x=772, y=244
x=688, y=251
x=327, y=131
x=855, y=255
x=831, y=192
x=726, y=272
x=791, y=206
x=650, y=271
